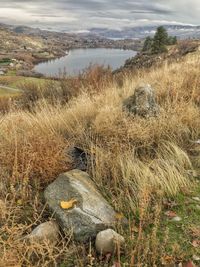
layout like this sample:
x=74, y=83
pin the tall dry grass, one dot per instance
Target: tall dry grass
x=61, y=90
x=134, y=161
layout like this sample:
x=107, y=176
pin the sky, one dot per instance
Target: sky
x=81, y=15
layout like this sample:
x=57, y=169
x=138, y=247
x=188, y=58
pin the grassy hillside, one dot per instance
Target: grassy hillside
x=148, y=169
x=175, y=53
x=11, y=41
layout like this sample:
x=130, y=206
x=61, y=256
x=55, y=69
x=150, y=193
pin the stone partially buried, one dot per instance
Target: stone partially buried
x=45, y=232
x=91, y=212
x=108, y=241
x=142, y=102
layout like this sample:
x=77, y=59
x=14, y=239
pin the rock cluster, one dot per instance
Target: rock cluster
x=79, y=208
x=89, y=215
x=75, y=201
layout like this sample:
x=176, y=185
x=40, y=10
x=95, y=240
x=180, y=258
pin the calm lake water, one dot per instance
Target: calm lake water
x=78, y=59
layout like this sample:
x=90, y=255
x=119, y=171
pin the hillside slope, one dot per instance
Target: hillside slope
x=147, y=168
x=174, y=54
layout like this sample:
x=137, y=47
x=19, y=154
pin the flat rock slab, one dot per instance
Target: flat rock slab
x=91, y=214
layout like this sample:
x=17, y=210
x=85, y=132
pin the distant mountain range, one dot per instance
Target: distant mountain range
x=181, y=31
x=23, y=29
x=60, y=40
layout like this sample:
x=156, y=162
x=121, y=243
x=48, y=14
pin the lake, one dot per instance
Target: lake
x=78, y=59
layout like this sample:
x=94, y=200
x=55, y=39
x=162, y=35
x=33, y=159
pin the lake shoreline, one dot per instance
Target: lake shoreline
x=76, y=60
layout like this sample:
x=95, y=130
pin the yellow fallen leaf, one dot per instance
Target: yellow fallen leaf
x=68, y=204
x=19, y=202
x=119, y=216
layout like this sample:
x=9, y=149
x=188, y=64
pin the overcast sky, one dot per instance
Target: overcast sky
x=84, y=14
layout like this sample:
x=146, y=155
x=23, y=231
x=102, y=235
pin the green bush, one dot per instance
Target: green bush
x=147, y=44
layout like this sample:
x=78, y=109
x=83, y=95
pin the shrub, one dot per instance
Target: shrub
x=93, y=80
x=147, y=44
x=158, y=43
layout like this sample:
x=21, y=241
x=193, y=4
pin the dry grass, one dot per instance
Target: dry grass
x=93, y=81
x=134, y=161
x=6, y=80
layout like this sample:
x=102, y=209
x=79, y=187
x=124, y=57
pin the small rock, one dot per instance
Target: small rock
x=176, y=219
x=91, y=212
x=197, y=207
x=196, y=258
x=196, y=198
x=45, y=232
x=108, y=241
x=142, y=103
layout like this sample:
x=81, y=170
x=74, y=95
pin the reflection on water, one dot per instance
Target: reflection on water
x=78, y=59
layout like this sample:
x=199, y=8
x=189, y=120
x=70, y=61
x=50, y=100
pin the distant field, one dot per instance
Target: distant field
x=16, y=82
x=12, y=85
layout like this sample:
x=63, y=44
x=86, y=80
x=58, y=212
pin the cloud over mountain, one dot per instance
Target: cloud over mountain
x=83, y=14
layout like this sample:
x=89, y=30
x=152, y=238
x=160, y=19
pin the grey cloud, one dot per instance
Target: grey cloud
x=153, y=11
x=83, y=14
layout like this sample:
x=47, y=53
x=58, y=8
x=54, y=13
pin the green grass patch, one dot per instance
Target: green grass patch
x=182, y=237
x=21, y=79
x=15, y=81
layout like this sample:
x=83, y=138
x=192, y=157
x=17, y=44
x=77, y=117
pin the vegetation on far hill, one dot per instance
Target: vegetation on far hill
x=148, y=169
x=158, y=44
x=175, y=53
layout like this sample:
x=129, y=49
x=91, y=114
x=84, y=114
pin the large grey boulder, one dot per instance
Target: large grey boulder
x=142, y=102
x=89, y=215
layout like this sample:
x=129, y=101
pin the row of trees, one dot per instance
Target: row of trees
x=158, y=44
